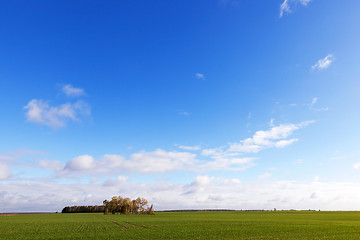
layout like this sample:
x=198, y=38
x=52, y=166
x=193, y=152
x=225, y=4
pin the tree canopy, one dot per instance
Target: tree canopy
x=121, y=205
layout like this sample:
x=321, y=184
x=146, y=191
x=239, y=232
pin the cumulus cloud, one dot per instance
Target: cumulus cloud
x=158, y=161
x=5, y=172
x=198, y=185
x=324, y=63
x=83, y=162
x=40, y=112
x=288, y=5
x=71, y=91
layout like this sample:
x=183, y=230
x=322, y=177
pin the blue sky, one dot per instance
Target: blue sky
x=227, y=103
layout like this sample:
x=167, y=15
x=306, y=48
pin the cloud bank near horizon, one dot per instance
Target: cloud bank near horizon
x=203, y=192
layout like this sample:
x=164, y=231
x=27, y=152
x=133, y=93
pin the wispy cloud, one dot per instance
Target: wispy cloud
x=313, y=107
x=5, y=172
x=284, y=7
x=189, y=148
x=51, y=165
x=357, y=165
x=71, y=91
x=200, y=76
x=230, y=157
x=324, y=63
x=275, y=137
x=288, y=5
x=298, y=162
x=265, y=175
x=184, y=113
x=40, y=112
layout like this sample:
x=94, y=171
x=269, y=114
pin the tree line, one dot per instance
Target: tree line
x=121, y=205
x=83, y=209
x=116, y=205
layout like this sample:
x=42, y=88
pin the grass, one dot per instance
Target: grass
x=184, y=225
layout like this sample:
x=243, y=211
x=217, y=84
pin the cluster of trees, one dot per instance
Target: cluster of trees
x=121, y=205
x=117, y=205
x=83, y=209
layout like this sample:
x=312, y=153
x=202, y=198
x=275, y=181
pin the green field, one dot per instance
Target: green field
x=184, y=225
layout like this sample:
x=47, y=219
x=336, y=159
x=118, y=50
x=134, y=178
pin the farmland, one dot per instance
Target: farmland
x=184, y=225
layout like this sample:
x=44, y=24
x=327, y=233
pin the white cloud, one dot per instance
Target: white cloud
x=6, y=159
x=83, y=162
x=71, y=91
x=265, y=175
x=313, y=108
x=198, y=185
x=158, y=161
x=298, y=162
x=313, y=195
x=305, y=2
x=202, y=181
x=314, y=100
x=272, y=120
x=324, y=63
x=5, y=172
x=224, y=159
x=357, y=165
x=116, y=182
x=51, y=165
x=200, y=76
x=284, y=143
x=275, y=137
x=184, y=113
x=205, y=192
x=227, y=157
x=287, y=5
x=189, y=148
x=284, y=7
x=222, y=162
x=42, y=113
